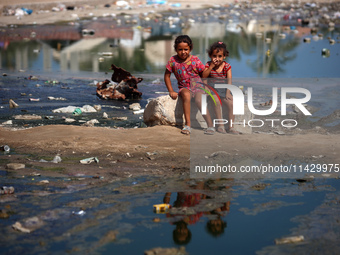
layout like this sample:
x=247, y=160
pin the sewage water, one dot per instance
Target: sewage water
x=207, y=217
x=219, y=216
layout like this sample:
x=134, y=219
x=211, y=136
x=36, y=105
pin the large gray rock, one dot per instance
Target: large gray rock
x=164, y=110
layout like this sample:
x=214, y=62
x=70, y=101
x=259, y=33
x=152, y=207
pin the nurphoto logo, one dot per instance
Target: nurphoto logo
x=239, y=100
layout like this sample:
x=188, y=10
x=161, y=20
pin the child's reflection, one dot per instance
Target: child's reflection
x=182, y=234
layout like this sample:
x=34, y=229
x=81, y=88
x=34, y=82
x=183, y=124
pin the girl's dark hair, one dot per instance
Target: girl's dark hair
x=183, y=39
x=219, y=46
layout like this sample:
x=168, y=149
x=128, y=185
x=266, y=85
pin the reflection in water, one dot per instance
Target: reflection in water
x=189, y=207
x=257, y=47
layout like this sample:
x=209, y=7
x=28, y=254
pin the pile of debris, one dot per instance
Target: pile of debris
x=122, y=86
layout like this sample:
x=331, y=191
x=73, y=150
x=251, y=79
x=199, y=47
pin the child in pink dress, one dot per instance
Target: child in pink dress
x=187, y=70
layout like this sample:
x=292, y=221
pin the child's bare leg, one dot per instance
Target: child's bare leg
x=231, y=117
x=198, y=101
x=186, y=97
x=218, y=114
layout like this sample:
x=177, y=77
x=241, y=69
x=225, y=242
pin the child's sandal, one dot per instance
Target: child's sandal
x=209, y=131
x=186, y=130
x=221, y=130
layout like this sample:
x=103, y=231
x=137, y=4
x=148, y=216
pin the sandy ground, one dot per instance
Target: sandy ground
x=159, y=150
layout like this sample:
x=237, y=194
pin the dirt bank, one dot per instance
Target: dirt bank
x=159, y=150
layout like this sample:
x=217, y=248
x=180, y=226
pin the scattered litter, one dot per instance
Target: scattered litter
x=306, y=40
x=161, y=208
x=57, y=98
x=89, y=160
x=44, y=182
x=35, y=99
x=27, y=117
x=157, y=81
x=6, y=190
x=325, y=53
x=88, y=32
x=105, y=115
x=69, y=120
x=139, y=112
x=119, y=118
x=77, y=111
x=12, y=104
x=56, y=159
x=70, y=109
x=91, y=123
x=80, y=213
x=5, y=148
x=19, y=227
x=8, y=122
x=29, y=225
x=318, y=156
x=15, y=166
x=291, y=239
x=123, y=85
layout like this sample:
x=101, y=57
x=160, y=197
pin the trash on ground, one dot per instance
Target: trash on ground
x=161, y=208
x=15, y=166
x=27, y=117
x=6, y=190
x=77, y=111
x=139, y=112
x=325, y=53
x=120, y=118
x=71, y=109
x=91, y=123
x=291, y=239
x=12, y=104
x=80, y=213
x=89, y=160
x=57, y=98
x=28, y=225
x=5, y=148
x=122, y=86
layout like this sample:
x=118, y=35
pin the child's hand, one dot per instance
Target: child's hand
x=173, y=95
x=213, y=63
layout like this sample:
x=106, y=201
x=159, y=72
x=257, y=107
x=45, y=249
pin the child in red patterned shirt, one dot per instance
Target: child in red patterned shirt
x=219, y=69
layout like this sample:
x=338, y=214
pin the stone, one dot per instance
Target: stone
x=135, y=107
x=164, y=110
x=15, y=166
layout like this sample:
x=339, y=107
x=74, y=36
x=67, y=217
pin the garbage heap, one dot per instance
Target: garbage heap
x=122, y=86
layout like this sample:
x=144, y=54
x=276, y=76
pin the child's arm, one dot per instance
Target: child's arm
x=207, y=71
x=167, y=81
x=228, y=93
